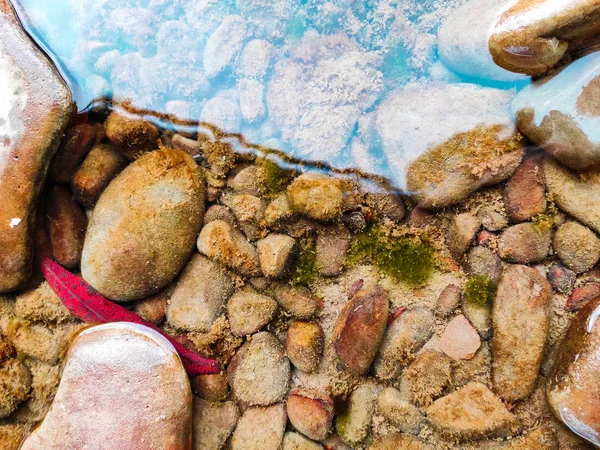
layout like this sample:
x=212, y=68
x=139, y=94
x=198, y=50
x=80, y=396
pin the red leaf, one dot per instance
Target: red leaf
x=88, y=305
x=395, y=315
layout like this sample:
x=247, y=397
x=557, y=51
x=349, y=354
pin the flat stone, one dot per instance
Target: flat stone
x=577, y=196
x=461, y=233
x=521, y=319
x=249, y=311
x=460, y=340
x=525, y=193
x=573, y=388
x=131, y=375
x=36, y=106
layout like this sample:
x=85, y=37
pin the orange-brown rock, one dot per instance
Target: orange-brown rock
x=36, y=107
x=310, y=412
x=123, y=387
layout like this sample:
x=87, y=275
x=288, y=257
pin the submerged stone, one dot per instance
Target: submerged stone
x=123, y=386
x=36, y=107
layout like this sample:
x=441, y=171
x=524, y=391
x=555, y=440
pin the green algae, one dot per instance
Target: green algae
x=407, y=259
x=274, y=178
x=545, y=221
x=479, y=290
x=305, y=270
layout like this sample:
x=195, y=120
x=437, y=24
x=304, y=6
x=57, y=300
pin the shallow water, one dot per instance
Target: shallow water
x=314, y=79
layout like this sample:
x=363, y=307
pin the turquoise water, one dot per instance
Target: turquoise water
x=307, y=77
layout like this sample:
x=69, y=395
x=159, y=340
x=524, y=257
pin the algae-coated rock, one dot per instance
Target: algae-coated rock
x=123, y=387
x=144, y=226
x=36, y=107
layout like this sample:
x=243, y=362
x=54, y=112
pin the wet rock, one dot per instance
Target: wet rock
x=525, y=243
x=525, y=193
x=461, y=232
x=164, y=190
x=249, y=211
x=248, y=181
x=213, y=423
x=200, y=295
x=298, y=301
x=15, y=386
x=486, y=239
x=279, y=213
x=310, y=412
x=249, y=311
x=354, y=423
x=212, y=388
x=295, y=441
x=259, y=372
x=387, y=206
x=403, y=338
x=132, y=135
x=399, y=412
x=581, y=296
x=577, y=247
x=157, y=386
x=561, y=279
x=221, y=242
x=41, y=305
x=316, y=196
x=476, y=369
x=270, y=420
x=331, y=247
x=566, y=128
x=74, y=147
x=190, y=146
x=482, y=261
x=577, y=196
x=573, y=389
x=400, y=441
x=100, y=166
x=37, y=109
x=67, y=223
x=153, y=309
x=471, y=412
x=480, y=316
x=354, y=221
x=360, y=327
x=427, y=376
x=521, y=319
x=492, y=220
x=276, y=253
x=219, y=212
x=448, y=300
x=459, y=339
x=304, y=345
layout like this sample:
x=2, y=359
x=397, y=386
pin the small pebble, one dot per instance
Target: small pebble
x=316, y=195
x=213, y=423
x=74, y=147
x=220, y=212
x=577, y=246
x=354, y=221
x=298, y=301
x=249, y=211
x=310, y=412
x=482, y=261
x=461, y=232
x=399, y=412
x=152, y=309
x=249, y=311
x=561, y=279
x=524, y=243
x=492, y=220
x=248, y=181
x=581, y=296
x=276, y=253
x=190, y=146
x=304, y=345
x=427, y=376
x=387, y=206
x=353, y=424
x=133, y=136
x=525, y=193
x=295, y=441
x=485, y=238
x=212, y=387
x=331, y=247
x=269, y=420
x=460, y=340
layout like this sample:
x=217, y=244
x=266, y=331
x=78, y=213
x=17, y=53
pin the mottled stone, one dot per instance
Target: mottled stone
x=459, y=339
x=400, y=412
x=270, y=420
x=316, y=196
x=354, y=423
x=525, y=193
x=310, y=412
x=577, y=247
x=249, y=311
x=525, y=243
x=213, y=423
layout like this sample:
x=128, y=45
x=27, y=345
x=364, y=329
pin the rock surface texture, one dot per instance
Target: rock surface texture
x=36, y=106
x=147, y=403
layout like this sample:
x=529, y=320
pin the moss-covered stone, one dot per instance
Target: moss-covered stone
x=306, y=265
x=479, y=290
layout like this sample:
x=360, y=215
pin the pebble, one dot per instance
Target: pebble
x=353, y=424
x=525, y=193
x=41, y=305
x=164, y=190
x=36, y=109
x=277, y=253
x=575, y=195
x=472, y=411
x=334, y=442
x=360, y=327
x=461, y=233
x=212, y=387
x=221, y=242
x=486, y=239
x=259, y=373
x=400, y=441
x=561, y=279
x=399, y=412
x=44, y=383
x=521, y=319
x=66, y=224
x=480, y=317
x=12, y=435
x=331, y=247
x=249, y=311
x=427, y=376
x=387, y=206
x=402, y=339
x=492, y=220
x=248, y=181
x=565, y=127
x=459, y=339
x=354, y=221
x=213, y=423
x=250, y=212
x=270, y=420
x=581, y=296
x=304, y=345
x=310, y=412
x=74, y=147
x=97, y=170
x=200, y=295
x=190, y=146
x=15, y=386
x=220, y=212
x=133, y=136
x=448, y=300
x=524, y=243
x=573, y=390
x=153, y=309
x=316, y=196
x=156, y=385
x=279, y=213
x=483, y=261
x=577, y=247
x=298, y=301
x=295, y=441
